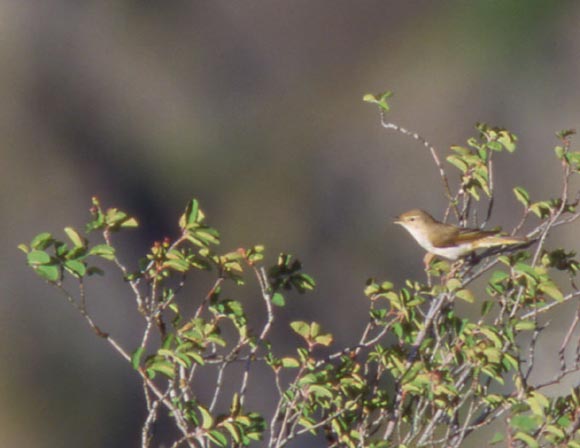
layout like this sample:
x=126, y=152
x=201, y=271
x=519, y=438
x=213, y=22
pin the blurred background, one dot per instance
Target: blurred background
x=255, y=109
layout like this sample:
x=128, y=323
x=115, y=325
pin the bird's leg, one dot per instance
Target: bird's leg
x=427, y=259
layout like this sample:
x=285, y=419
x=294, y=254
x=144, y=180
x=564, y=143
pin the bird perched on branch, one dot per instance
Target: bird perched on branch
x=449, y=241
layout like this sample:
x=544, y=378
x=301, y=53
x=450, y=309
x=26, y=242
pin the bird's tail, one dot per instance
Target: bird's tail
x=495, y=240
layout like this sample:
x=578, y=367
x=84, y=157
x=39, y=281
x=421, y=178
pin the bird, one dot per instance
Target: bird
x=447, y=240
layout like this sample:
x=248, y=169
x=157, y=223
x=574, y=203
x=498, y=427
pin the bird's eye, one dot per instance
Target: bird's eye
x=411, y=219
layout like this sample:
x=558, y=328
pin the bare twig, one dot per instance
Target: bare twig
x=430, y=147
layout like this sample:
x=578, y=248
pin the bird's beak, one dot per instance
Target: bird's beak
x=397, y=220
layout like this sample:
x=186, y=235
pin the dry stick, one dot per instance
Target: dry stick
x=225, y=362
x=134, y=284
x=548, y=307
x=362, y=343
x=278, y=440
x=532, y=349
x=566, y=340
x=432, y=150
x=146, y=435
x=433, y=310
x=267, y=296
x=181, y=423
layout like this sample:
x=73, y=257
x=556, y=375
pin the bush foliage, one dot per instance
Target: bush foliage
x=420, y=373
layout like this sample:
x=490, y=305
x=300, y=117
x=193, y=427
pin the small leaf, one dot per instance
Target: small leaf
x=458, y=162
x=130, y=223
x=206, y=417
x=104, y=251
x=136, y=357
x=379, y=99
x=233, y=430
x=278, y=299
x=38, y=257
x=301, y=327
x=526, y=423
x=527, y=439
x=75, y=267
x=552, y=290
x=218, y=438
x=525, y=325
x=160, y=365
x=323, y=339
x=75, y=237
x=41, y=241
x=508, y=140
x=522, y=196
x=290, y=363
x=24, y=248
x=466, y=295
x=497, y=438
x=192, y=215
x=48, y=272
x=320, y=391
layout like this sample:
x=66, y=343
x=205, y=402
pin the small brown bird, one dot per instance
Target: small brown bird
x=449, y=241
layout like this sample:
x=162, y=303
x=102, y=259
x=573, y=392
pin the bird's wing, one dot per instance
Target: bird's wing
x=457, y=235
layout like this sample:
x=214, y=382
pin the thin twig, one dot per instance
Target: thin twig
x=430, y=147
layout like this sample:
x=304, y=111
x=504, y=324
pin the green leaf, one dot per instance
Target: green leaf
x=552, y=290
x=38, y=257
x=486, y=307
x=115, y=219
x=136, y=357
x=75, y=237
x=498, y=277
x=233, y=430
x=177, y=265
x=278, y=299
x=541, y=209
x=379, y=99
x=458, y=162
x=497, y=438
x=453, y=284
x=522, y=196
x=525, y=325
x=320, y=391
x=303, y=282
x=24, y=248
x=538, y=403
x=41, y=241
x=218, y=438
x=301, y=327
x=526, y=423
x=192, y=215
x=48, y=272
x=129, y=223
x=527, y=270
x=206, y=417
x=104, y=251
x=75, y=267
x=324, y=339
x=466, y=295
x=527, y=439
x=289, y=362
x=508, y=140
x=162, y=366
